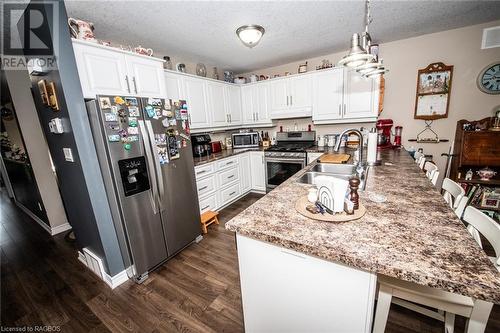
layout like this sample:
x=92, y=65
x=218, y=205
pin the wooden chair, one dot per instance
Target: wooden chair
x=480, y=223
x=412, y=296
x=207, y=219
x=431, y=171
x=454, y=195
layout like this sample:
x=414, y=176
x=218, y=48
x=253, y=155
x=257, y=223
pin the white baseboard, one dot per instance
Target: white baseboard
x=60, y=228
x=52, y=231
x=94, y=264
x=116, y=280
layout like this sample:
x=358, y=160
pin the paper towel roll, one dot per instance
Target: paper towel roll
x=372, y=148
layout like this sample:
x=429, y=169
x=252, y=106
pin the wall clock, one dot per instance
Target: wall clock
x=488, y=80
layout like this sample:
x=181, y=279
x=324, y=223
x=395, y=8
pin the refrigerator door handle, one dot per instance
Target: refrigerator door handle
x=159, y=175
x=149, y=158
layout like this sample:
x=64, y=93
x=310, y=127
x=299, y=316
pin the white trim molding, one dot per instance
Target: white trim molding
x=60, y=228
x=94, y=264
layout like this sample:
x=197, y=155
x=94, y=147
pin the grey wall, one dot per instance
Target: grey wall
x=80, y=182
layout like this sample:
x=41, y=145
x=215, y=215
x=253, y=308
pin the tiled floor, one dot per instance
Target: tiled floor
x=42, y=283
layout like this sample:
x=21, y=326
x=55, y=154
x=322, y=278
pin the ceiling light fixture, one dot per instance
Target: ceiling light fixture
x=359, y=56
x=250, y=35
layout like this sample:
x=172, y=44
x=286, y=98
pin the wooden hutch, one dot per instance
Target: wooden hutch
x=476, y=147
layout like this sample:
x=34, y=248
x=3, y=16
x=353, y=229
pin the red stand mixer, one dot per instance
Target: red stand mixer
x=384, y=134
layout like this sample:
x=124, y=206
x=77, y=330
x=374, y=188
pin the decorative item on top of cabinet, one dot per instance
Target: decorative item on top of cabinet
x=215, y=74
x=302, y=68
x=168, y=63
x=201, y=70
x=181, y=67
x=228, y=76
x=144, y=51
x=81, y=29
x=488, y=79
x=432, y=98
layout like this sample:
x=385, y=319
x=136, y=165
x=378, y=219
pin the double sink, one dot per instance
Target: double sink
x=344, y=171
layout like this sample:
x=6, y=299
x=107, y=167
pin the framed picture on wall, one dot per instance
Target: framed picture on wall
x=52, y=95
x=43, y=92
x=433, y=91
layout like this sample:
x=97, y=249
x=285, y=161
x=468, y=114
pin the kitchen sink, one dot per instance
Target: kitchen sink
x=343, y=171
x=336, y=169
x=310, y=176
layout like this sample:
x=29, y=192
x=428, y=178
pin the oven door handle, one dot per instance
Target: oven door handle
x=283, y=160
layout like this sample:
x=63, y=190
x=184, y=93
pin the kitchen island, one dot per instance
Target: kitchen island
x=312, y=275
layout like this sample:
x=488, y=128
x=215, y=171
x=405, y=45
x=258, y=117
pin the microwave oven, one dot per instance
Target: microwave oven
x=245, y=140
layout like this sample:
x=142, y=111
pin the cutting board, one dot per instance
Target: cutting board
x=334, y=158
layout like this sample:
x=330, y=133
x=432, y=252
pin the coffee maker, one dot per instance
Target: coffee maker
x=384, y=133
x=201, y=144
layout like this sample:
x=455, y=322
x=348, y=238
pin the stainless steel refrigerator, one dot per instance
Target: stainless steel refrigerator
x=144, y=151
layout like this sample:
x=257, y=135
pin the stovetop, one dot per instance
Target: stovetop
x=291, y=147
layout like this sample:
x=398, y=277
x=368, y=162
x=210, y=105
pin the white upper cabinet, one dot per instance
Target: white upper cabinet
x=342, y=95
x=174, y=86
x=255, y=104
x=217, y=104
x=301, y=93
x=327, y=95
x=360, y=96
x=291, y=97
x=279, y=93
x=196, y=98
x=101, y=71
x=107, y=71
x=147, y=77
x=233, y=104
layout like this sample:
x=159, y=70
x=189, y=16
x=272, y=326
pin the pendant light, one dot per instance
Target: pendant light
x=250, y=35
x=359, y=56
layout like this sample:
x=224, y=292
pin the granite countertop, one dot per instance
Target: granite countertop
x=223, y=154
x=413, y=236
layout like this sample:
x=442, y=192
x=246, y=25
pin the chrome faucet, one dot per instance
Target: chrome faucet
x=360, y=170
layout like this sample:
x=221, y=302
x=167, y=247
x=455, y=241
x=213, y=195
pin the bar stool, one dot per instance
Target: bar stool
x=418, y=155
x=431, y=171
x=454, y=195
x=412, y=296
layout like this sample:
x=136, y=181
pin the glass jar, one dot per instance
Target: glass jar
x=215, y=74
x=201, y=70
x=168, y=63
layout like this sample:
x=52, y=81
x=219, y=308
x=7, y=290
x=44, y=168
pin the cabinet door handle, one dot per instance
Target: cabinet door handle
x=230, y=177
x=135, y=84
x=257, y=116
x=230, y=118
x=202, y=188
x=201, y=171
x=128, y=84
x=287, y=100
x=291, y=100
x=340, y=110
x=232, y=193
x=345, y=108
x=230, y=162
x=205, y=207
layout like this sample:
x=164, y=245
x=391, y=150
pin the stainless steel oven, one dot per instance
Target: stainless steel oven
x=280, y=168
x=245, y=140
x=288, y=156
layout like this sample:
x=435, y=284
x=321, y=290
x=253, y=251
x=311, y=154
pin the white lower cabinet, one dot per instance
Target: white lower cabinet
x=208, y=203
x=245, y=176
x=229, y=194
x=258, y=172
x=288, y=291
x=223, y=181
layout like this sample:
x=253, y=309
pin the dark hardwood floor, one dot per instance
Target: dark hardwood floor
x=43, y=284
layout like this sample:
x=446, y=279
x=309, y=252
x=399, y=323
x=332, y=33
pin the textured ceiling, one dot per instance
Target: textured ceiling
x=204, y=31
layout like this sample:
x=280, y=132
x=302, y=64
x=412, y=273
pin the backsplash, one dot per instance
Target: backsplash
x=302, y=125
